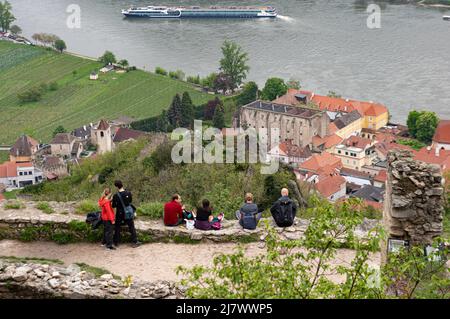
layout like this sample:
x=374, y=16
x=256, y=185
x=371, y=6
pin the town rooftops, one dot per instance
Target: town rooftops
x=292, y=150
x=432, y=155
x=330, y=185
x=318, y=161
x=83, y=132
x=23, y=146
x=328, y=141
x=354, y=173
x=297, y=111
x=124, y=134
x=9, y=169
x=357, y=141
x=442, y=134
x=347, y=119
x=103, y=125
x=334, y=104
x=62, y=138
x=381, y=176
x=370, y=193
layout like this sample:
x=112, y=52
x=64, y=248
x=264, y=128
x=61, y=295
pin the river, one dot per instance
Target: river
x=326, y=45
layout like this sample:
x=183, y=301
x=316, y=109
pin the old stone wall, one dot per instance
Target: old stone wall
x=414, y=204
x=41, y=281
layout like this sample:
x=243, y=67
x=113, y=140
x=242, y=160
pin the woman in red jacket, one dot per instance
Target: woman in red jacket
x=108, y=218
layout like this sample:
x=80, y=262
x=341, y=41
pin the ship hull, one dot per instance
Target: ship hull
x=181, y=14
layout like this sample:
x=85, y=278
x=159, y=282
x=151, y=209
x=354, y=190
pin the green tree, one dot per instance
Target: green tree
x=293, y=84
x=219, y=117
x=175, y=112
x=234, y=63
x=59, y=129
x=124, y=63
x=249, y=94
x=426, y=126
x=274, y=88
x=16, y=30
x=60, y=45
x=6, y=17
x=187, y=111
x=333, y=94
x=412, y=122
x=108, y=58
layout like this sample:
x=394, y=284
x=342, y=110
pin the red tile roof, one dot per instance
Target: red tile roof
x=357, y=141
x=23, y=146
x=320, y=161
x=103, y=125
x=9, y=169
x=334, y=104
x=442, y=134
x=124, y=134
x=292, y=150
x=330, y=185
x=381, y=176
x=431, y=157
x=328, y=141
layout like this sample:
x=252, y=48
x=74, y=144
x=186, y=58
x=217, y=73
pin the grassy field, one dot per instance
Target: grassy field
x=4, y=156
x=78, y=100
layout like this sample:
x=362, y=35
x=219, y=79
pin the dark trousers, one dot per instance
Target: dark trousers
x=118, y=228
x=108, y=229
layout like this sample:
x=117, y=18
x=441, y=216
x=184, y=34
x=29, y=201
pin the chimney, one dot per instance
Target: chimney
x=437, y=152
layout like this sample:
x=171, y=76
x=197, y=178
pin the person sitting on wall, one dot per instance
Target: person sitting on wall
x=249, y=214
x=173, y=211
x=284, y=210
x=205, y=219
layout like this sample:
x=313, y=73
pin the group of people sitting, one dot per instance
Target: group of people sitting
x=175, y=213
x=283, y=211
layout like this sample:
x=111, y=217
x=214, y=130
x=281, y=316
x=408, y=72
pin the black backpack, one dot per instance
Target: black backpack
x=284, y=217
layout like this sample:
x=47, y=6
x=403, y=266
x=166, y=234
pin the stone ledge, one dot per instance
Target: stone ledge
x=13, y=224
x=37, y=281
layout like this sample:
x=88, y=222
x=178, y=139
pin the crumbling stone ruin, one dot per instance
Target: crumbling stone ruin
x=414, y=204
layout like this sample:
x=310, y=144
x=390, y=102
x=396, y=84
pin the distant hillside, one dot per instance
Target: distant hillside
x=77, y=100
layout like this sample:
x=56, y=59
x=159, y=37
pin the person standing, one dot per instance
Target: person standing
x=173, y=211
x=284, y=210
x=121, y=200
x=108, y=218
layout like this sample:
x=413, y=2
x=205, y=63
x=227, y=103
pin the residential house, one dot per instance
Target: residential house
x=371, y=195
x=327, y=143
x=331, y=187
x=107, y=68
x=66, y=145
x=83, y=133
x=299, y=124
x=441, y=139
x=18, y=175
x=319, y=164
x=348, y=124
x=355, y=177
x=289, y=153
x=436, y=156
x=355, y=152
x=125, y=134
x=381, y=179
x=23, y=150
x=93, y=76
x=375, y=115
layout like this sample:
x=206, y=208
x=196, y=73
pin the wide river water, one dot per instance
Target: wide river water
x=326, y=45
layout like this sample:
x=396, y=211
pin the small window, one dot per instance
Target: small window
x=21, y=173
x=102, y=134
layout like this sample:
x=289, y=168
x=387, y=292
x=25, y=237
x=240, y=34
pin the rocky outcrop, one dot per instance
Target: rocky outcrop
x=41, y=281
x=414, y=204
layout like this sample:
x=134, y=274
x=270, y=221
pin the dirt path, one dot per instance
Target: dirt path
x=149, y=262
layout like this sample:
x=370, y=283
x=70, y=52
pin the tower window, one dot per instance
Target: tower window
x=102, y=134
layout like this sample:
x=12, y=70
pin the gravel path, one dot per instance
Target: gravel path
x=149, y=262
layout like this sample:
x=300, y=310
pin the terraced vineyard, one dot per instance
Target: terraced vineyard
x=77, y=100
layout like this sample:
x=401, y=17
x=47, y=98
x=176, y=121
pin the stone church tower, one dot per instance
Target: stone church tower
x=101, y=136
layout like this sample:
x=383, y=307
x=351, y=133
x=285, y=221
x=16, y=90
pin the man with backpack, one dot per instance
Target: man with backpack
x=249, y=214
x=124, y=214
x=284, y=210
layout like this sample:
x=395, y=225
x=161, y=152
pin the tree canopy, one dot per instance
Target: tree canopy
x=187, y=111
x=60, y=45
x=6, y=17
x=15, y=29
x=422, y=125
x=274, y=88
x=234, y=63
x=59, y=129
x=108, y=58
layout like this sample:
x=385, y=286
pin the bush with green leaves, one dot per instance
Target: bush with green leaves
x=153, y=210
x=13, y=204
x=87, y=206
x=45, y=207
x=300, y=269
x=161, y=71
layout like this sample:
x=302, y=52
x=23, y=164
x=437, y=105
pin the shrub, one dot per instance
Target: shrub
x=31, y=95
x=86, y=206
x=63, y=238
x=153, y=210
x=53, y=86
x=13, y=204
x=161, y=71
x=177, y=75
x=45, y=207
x=29, y=234
x=193, y=79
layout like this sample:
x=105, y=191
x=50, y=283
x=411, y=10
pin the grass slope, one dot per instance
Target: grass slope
x=78, y=100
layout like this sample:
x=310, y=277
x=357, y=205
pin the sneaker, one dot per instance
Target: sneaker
x=111, y=248
x=135, y=245
x=221, y=217
x=102, y=245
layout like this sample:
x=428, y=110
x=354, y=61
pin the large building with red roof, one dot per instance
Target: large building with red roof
x=375, y=115
x=18, y=175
